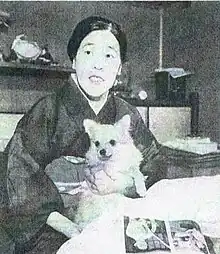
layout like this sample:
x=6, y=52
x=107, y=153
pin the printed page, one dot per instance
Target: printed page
x=143, y=235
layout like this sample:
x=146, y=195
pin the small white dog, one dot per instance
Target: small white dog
x=113, y=165
x=113, y=152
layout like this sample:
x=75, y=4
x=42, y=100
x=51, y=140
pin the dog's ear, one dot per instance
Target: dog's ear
x=124, y=122
x=89, y=125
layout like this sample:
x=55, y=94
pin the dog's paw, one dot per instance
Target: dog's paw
x=141, y=189
x=142, y=194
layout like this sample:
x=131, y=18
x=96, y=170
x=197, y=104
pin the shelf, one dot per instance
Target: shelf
x=20, y=69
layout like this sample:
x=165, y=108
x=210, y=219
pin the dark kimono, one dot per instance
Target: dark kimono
x=51, y=129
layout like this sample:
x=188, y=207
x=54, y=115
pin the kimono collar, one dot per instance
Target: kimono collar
x=76, y=104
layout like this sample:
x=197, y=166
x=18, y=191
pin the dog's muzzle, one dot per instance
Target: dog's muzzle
x=103, y=155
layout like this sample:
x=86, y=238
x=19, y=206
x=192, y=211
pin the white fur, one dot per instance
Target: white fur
x=124, y=157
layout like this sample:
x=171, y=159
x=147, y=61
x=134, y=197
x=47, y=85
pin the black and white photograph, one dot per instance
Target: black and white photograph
x=109, y=127
x=152, y=236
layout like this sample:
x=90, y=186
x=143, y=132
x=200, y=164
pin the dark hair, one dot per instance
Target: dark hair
x=92, y=23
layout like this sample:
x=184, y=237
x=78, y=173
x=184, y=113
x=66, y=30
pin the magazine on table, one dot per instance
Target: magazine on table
x=143, y=235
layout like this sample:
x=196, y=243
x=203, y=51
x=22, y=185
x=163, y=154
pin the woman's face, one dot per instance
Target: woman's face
x=97, y=62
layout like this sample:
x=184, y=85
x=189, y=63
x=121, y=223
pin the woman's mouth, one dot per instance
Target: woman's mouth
x=96, y=79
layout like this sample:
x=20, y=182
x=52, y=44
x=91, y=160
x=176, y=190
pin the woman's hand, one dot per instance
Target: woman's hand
x=63, y=224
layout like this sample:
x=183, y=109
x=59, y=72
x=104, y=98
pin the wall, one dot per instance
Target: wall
x=193, y=42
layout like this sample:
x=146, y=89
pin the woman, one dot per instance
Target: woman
x=53, y=129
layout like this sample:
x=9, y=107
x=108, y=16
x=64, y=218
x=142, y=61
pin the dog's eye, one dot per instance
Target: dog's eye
x=97, y=143
x=112, y=142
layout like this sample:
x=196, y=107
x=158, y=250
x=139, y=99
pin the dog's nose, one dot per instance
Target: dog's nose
x=102, y=152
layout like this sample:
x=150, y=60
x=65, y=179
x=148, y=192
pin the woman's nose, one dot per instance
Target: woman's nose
x=98, y=63
x=98, y=67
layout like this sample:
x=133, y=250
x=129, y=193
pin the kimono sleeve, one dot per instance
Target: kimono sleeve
x=32, y=195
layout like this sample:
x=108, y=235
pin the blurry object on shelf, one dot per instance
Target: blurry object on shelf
x=171, y=84
x=46, y=57
x=136, y=90
x=24, y=50
x=144, y=90
x=139, y=93
x=175, y=72
x=142, y=95
x=5, y=21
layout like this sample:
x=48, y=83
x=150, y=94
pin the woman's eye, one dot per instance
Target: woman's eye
x=112, y=142
x=88, y=52
x=97, y=143
x=109, y=56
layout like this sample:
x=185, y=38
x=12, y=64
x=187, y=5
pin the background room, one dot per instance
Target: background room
x=190, y=41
